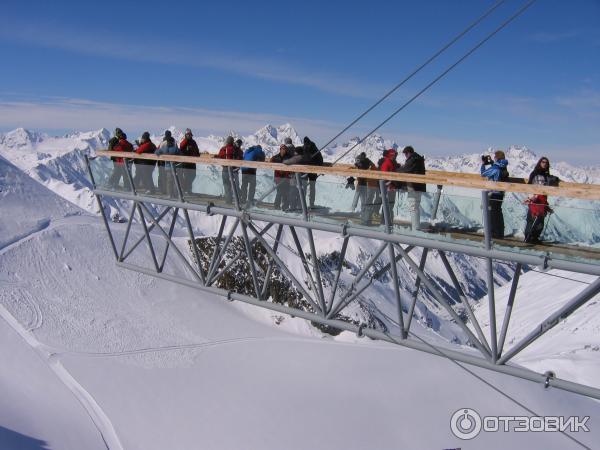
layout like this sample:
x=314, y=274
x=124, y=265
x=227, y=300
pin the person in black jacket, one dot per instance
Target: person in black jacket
x=415, y=163
x=188, y=147
x=314, y=158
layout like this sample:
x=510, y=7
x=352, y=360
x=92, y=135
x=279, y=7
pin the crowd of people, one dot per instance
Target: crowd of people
x=287, y=193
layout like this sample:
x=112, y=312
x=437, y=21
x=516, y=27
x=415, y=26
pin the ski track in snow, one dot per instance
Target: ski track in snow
x=92, y=408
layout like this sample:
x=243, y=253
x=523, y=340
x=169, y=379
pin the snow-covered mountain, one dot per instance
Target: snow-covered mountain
x=184, y=367
x=57, y=162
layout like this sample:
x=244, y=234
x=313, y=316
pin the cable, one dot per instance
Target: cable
x=417, y=70
x=439, y=77
x=487, y=383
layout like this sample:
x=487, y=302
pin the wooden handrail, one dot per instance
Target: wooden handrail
x=471, y=181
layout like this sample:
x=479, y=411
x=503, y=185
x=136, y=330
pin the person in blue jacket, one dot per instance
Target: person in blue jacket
x=495, y=171
x=254, y=153
x=166, y=182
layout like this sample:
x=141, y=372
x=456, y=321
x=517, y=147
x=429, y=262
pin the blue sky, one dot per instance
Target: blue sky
x=223, y=66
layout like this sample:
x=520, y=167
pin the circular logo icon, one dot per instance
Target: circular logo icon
x=465, y=423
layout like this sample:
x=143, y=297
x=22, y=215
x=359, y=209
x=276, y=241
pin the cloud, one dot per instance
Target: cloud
x=58, y=113
x=544, y=37
x=111, y=45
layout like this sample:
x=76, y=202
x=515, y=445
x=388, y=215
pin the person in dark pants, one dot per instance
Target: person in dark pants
x=368, y=190
x=312, y=156
x=388, y=164
x=415, y=163
x=144, y=167
x=188, y=147
x=119, y=143
x=282, y=179
x=248, y=189
x=495, y=171
x=537, y=205
x=229, y=151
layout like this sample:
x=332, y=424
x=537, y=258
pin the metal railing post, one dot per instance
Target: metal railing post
x=487, y=233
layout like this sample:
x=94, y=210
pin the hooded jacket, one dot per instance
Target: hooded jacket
x=496, y=172
x=254, y=153
x=146, y=147
x=415, y=163
x=119, y=144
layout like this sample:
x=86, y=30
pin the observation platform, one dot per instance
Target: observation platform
x=452, y=209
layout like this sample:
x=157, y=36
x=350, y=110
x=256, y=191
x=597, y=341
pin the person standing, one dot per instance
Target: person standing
x=415, y=163
x=282, y=179
x=144, y=167
x=388, y=164
x=537, y=205
x=119, y=143
x=228, y=151
x=497, y=171
x=313, y=157
x=166, y=182
x=188, y=147
x=254, y=153
x=367, y=189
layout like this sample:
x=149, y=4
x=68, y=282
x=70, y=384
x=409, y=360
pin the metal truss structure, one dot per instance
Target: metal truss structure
x=490, y=352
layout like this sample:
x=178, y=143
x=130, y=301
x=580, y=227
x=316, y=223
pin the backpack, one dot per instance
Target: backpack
x=504, y=175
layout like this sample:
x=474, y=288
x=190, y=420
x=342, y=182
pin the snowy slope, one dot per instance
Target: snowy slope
x=170, y=367
x=572, y=348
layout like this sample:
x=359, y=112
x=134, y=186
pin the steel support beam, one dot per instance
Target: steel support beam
x=464, y=300
x=464, y=357
x=553, y=320
x=440, y=299
x=509, y=307
x=397, y=237
x=487, y=233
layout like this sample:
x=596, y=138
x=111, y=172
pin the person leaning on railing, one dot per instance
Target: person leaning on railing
x=497, y=171
x=388, y=164
x=166, y=182
x=144, y=167
x=537, y=204
x=367, y=190
x=188, y=147
x=248, y=188
x=282, y=179
x=229, y=151
x=119, y=143
x=415, y=163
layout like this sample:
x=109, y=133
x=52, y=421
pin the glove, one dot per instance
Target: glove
x=350, y=183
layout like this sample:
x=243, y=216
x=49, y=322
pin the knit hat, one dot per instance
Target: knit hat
x=288, y=141
x=146, y=136
x=168, y=133
x=239, y=142
x=229, y=140
x=408, y=149
x=188, y=131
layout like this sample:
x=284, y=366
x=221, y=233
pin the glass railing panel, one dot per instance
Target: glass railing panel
x=109, y=175
x=145, y=177
x=204, y=184
x=563, y=228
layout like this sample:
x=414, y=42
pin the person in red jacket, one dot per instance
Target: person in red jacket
x=228, y=151
x=388, y=164
x=144, y=167
x=119, y=143
x=188, y=147
x=282, y=179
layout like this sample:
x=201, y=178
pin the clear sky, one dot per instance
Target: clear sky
x=220, y=66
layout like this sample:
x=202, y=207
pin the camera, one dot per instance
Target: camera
x=486, y=159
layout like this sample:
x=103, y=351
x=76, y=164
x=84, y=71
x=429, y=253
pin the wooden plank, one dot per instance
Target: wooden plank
x=588, y=192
